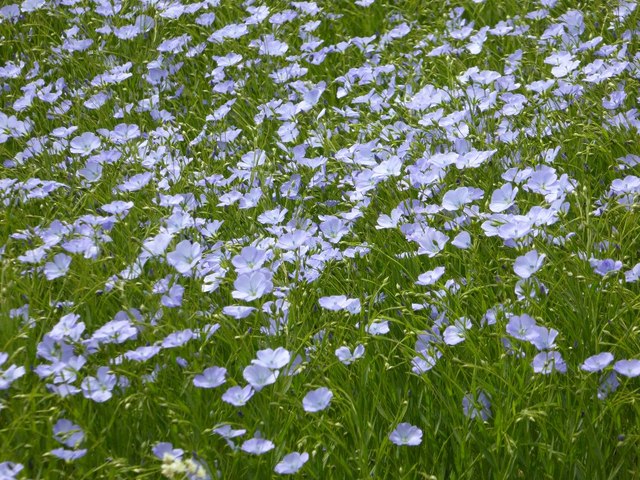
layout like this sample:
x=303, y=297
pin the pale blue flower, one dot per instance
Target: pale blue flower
x=541, y=337
x=85, y=144
x=345, y=355
x=608, y=265
x=259, y=377
x=99, y=388
x=173, y=297
x=273, y=359
x=598, y=362
x=627, y=368
x=68, y=455
x=608, y=384
x=548, y=362
x=9, y=470
x=226, y=431
x=340, y=302
x=238, y=396
x=270, y=46
x=378, y=327
x=250, y=258
x=430, y=277
x=528, y=264
x=238, y=311
x=142, y=354
x=477, y=405
x=58, y=267
x=11, y=374
x=406, y=434
x=257, y=446
x=455, y=333
x=165, y=450
x=212, y=377
x=185, y=256
x=425, y=362
x=291, y=463
x=462, y=240
x=68, y=433
x=317, y=400
x=252, y=285
x=520, y=326
x=179, y=338
x=68, y=328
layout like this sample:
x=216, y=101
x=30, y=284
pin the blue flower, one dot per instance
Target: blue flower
x=528, y=264
x=68, y=455
x=317, y=400
x=430, y=241
x=11, y=374
x=455, y=333
x=226, y=431
x=68, y=328
x=425, y=362
x=340, y=302
x=541, y=337
x=503, y=198
x=598, y=362
x=547, y=362
x=179, y=338
x=627, y=368
x=68, y=433
x=252, y=285
x=378, y=327
x=608, y=384
x=462, y=240
x=99, y=388
x=185, y=256
x=269, y=46
x=258, y=376
x=250, y=258
x=165, y=450
x=142, y=354
x=238, y=311
x=9, y=470
x=273, y=359
x=173, y=298
x=478, y=405
x=58, y=267
x=238, y=396
x=455, y=199
x=211, y=377
x=85, y=144
x=257, y=446
x=333, y=228
x=430, y=277
x=291, y=463
x=603, y=267
x=406, y=434
x=293, y=240
x=345, y=355
x=520, y=326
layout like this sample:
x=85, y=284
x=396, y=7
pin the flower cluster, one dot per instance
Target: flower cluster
x=271, y=215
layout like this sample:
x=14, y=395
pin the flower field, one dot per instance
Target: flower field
x=333, y=240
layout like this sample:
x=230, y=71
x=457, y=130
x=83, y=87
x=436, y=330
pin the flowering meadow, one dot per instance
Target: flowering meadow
x=336, y=239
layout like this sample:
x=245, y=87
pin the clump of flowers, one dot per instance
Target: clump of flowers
x=176, y=467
